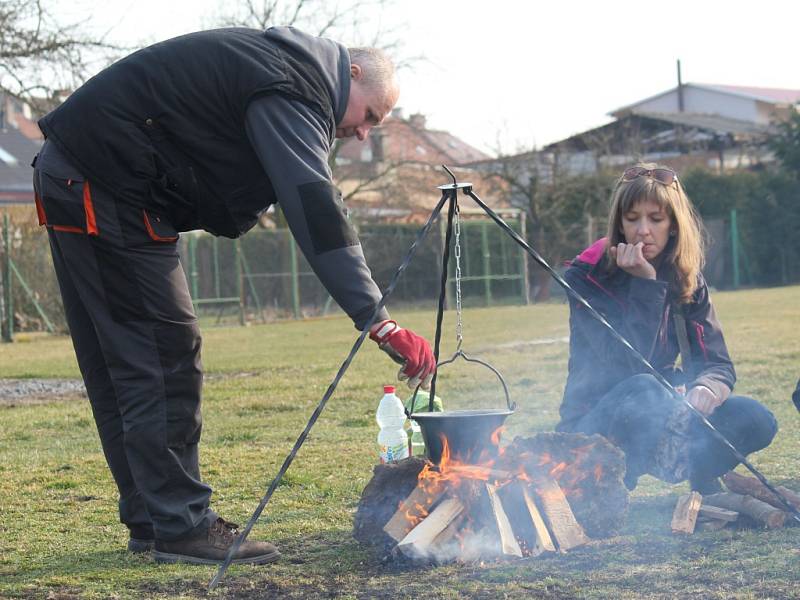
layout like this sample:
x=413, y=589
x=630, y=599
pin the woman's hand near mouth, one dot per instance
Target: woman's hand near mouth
x=630, y=258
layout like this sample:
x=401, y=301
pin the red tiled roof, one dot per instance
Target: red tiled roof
x=409, y=140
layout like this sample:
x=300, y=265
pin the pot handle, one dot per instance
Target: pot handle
x=512, y=406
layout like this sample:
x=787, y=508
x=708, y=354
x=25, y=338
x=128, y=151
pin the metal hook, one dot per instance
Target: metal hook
x=455, y=182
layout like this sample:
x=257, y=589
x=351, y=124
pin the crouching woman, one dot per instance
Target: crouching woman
x=645, y=279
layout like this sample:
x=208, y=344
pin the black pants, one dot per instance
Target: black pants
x=639, y=416
x=137, y=343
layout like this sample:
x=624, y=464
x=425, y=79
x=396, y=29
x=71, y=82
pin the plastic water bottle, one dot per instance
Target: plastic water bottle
x=392, y=438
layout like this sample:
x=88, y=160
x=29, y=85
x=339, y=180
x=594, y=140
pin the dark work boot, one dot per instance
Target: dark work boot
x=211, y=547
x=141, y=540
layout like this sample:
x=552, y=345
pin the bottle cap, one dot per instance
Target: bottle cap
x=388, y=389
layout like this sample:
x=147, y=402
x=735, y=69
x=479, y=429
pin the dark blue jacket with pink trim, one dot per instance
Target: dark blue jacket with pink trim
x=641, y=310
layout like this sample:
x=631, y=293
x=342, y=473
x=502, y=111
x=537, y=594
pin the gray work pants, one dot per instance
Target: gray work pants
x=137, y=343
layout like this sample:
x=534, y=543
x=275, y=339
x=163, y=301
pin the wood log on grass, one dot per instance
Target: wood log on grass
x=751, y=486
x=717, y=514
x=761, y=512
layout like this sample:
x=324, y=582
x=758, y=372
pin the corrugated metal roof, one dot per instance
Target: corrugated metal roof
x=770, y=95
x=713, y=123
x=773, y=95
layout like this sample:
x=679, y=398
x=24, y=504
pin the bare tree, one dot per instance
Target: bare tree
x=40, y=56
x=354, y=22
x=563, y=210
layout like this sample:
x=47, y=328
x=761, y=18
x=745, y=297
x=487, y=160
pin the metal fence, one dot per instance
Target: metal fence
x=264, y=277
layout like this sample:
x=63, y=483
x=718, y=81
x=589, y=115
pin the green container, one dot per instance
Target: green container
x=421, y=402
x=416, y=445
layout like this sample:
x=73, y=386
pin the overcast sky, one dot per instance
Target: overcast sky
x=525, y=73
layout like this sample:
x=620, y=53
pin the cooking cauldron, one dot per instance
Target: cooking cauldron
x=469, y=433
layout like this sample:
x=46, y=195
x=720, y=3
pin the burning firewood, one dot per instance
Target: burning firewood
x=391, y=483
x=589, y=470
x=761, y=512
x=412, y=510
x=566, y=531
x=519, y=504
x=751, y=486
x=529, y=525
x=508, y=543
x=419, y=540
x=684, y=518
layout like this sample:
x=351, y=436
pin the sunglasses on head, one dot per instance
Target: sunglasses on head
x=665, y=176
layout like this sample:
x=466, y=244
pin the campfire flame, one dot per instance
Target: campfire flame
x=511, y=502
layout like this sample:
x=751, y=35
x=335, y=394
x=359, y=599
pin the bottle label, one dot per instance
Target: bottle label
x=393, y=453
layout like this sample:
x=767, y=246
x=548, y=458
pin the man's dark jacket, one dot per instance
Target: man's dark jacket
x=641, y=310
x=165, y=127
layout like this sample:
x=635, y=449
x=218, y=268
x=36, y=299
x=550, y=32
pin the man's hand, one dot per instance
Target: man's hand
x=703, y=399
x=630, y=258
x=408, y=349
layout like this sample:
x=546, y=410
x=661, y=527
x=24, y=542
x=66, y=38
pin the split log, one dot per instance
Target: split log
x=589, y=469
x=529, y=526
x=764, y=514
x=419, y=540
x=412, y=510
x=684, y=517
x=751, y=486
x=561, y=522
x=508, y=543
x=717, y=514
x=439, y=547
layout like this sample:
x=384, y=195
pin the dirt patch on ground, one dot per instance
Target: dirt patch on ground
x=24, y=392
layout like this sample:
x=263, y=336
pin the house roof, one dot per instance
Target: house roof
x=658, y=130
x=408, y=140
x=16, y=174
x=770, y=95
x=712, y=123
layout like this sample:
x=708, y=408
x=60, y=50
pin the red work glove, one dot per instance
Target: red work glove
x=408, y=349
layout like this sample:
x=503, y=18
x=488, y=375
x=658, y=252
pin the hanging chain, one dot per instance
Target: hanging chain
x=457, y=251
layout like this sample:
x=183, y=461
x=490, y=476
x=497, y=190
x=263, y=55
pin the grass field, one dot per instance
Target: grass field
x=59, y=532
